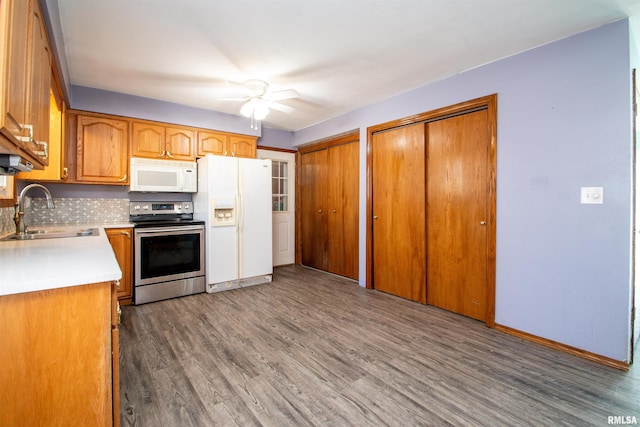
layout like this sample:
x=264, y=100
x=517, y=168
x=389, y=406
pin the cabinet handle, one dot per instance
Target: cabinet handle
x=123, y=179
x=162, y=154
x=125, y=233
x=334, y=211
x=225, y=153
x=483, y=223
x=119, y=312
x=65, y=172
x=233, y=154
x=168, y=153
x=375, y=217
x=44, y=153
x=319, y=210
x=29, y=138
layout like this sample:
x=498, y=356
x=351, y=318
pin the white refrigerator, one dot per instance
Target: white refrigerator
x=234, y=200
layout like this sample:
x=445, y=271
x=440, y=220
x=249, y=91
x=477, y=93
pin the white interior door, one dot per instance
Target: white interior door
x=283, y=204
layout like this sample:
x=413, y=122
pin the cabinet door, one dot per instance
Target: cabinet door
x=212, y=143
x=16, y=39
x=314, y=178
x=121, y=242
x=38, y=104
x=180, y=143
x=56, y=357
x=53, y=171
x=115, y=357
x=102, y=154
x=242, y=146
x=342, y=216
x=147, y=140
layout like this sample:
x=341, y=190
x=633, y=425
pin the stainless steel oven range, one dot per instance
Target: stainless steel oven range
x=168, y=251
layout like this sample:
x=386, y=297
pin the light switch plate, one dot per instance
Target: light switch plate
x=591, y=195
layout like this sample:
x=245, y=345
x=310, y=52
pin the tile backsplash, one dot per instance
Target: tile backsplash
x=68, y=211
x=6, y=220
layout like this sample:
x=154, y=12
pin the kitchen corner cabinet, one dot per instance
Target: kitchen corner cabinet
x=59, y=357
x=225, y=144
x=122, y=243
x=157, y=141
x=24, y=85
x=101, y=147
x=329, y=209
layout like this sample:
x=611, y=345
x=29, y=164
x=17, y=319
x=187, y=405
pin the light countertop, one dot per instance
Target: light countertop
x=41, y=264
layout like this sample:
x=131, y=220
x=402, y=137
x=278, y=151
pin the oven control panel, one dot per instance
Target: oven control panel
x=160, y=208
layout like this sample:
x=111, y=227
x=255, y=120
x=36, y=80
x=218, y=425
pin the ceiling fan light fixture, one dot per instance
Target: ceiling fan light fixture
x=260, y=111
x=247, y=109
x=255, y=108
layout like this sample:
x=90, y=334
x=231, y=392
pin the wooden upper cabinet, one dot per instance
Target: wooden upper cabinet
x=147, y=140
x=102, y=150
x=212, y=143
x=243, y=146
x=26, y=71
x=224, y=144
x=156, y=141
x=15, y=34
x=180, y=143
x=40, y=89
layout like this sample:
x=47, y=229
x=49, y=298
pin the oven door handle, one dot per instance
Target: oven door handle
x=169, y=229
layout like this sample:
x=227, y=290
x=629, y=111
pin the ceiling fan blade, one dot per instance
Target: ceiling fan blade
x=244, y=98
x=282, y=94
x=281, y=107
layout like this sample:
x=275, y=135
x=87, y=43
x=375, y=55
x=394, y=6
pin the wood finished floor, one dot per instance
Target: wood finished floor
x=313, y=349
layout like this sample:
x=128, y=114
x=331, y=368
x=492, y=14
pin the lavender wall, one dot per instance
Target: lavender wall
x=564, y=121
x=101, y=101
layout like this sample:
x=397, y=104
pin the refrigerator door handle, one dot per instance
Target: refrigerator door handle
x=240, y=219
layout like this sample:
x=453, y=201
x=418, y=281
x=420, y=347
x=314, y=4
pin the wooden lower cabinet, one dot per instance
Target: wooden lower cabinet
x=59, y=353
x=121, y=240
x=329, y=194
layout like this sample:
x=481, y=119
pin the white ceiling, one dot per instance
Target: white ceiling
x=338, y=55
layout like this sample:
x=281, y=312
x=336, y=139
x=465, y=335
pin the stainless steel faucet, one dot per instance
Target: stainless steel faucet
x=18, y=218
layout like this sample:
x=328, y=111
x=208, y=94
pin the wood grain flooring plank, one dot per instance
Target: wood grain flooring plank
x=314, y=349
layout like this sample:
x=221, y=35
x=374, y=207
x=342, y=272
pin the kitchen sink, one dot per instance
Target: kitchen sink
x=53, y=234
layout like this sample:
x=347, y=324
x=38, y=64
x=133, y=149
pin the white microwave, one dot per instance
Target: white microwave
x=168, y=176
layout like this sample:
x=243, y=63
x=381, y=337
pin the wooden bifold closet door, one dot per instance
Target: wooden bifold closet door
x=329, y=194
x=457, y=214
x=432, y=228
x=399, y=248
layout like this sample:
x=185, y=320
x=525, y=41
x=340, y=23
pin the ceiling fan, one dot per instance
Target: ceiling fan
x=258, y=101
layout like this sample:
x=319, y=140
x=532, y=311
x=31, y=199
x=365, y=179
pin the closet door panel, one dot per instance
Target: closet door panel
x=343, y=210
x=399, y=233
x=457, y=213
x=314, y=178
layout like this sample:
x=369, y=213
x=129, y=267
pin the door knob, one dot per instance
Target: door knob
x=483, y=223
